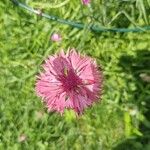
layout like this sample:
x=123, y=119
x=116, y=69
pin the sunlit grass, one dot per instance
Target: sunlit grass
x=122, y=112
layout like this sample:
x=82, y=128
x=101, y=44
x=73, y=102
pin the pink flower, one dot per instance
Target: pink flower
x=86, y=2
x=69, y=81
x=56, y=37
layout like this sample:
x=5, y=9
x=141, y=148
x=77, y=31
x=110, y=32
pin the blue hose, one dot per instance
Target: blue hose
x=80, y=25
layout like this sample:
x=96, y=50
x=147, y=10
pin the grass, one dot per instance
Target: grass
x=120, y=121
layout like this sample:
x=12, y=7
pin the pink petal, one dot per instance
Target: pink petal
x=56, y=37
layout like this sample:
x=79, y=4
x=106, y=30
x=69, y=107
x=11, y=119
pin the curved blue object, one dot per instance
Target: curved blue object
x=79, y=25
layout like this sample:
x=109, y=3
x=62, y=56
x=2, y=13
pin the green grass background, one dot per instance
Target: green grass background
x=119, y=122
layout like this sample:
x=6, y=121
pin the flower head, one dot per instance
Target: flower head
x=56, y=37
x=69, y=81
x=86, y=2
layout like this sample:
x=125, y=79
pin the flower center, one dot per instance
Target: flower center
x=70, y=80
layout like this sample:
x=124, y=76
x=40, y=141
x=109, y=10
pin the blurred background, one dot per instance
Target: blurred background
x=120, y=121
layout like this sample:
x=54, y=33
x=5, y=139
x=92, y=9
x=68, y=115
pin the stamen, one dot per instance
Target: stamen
x=65, y=71
x=66, y=97
x=88, y=82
